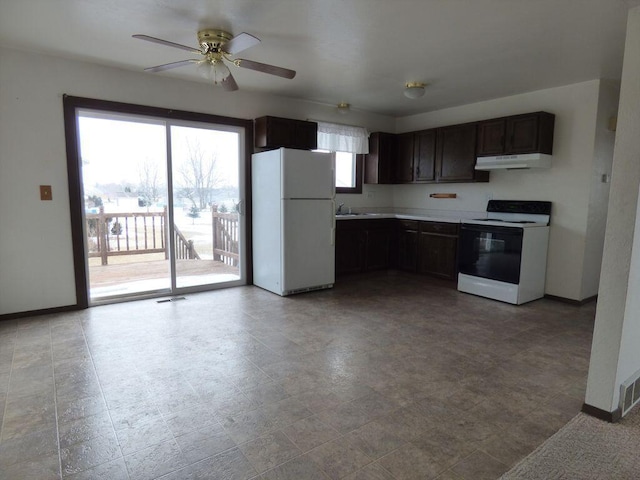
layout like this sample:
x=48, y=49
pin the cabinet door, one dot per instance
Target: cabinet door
x=491, y=137
x=379, y=160
x=377, y=248
x=404, y=159
x=522, y=134
x=276, y=132
x=280, y=132
x=348, y=247
x=424, y=155
x=306, y=135
x=456, y=158
x=407, y=253
x=438, y=255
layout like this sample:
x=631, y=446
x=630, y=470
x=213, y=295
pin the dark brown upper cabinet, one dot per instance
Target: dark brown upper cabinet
x=491, y=137
x=518, y=134
x=424, y=155
x=456, y=155
x=276, y=132
x=403, y=167
x=379, y=162
x=415, y=157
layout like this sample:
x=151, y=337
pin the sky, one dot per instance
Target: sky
x=113, y=151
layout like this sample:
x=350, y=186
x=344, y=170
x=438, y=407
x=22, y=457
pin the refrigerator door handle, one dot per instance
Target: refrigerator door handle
x=332, y=239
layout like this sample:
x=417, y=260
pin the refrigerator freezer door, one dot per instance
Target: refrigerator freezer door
x=308, y=249
x=307, y=174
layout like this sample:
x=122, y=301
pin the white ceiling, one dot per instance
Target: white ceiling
x=356, y=51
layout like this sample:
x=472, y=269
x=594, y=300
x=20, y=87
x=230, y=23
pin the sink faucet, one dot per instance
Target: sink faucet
x=339, y=210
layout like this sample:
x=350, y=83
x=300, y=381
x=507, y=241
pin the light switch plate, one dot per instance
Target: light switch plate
x=45, y=192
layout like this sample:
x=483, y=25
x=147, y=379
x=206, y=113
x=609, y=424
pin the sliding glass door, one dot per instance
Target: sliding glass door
x=206, y=204
x=163, y=204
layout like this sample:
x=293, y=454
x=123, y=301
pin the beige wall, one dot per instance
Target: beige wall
x=36, y=263
x=615, y=352
x=36, y=269
x=598, y=190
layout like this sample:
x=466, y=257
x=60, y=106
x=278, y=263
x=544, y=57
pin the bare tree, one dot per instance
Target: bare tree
x=199, y=175
x=149, y=187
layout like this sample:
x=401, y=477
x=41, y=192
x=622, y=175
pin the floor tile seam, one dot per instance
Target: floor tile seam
x=108, y=410
x=55, y=405
x=340, y=435
x=126, y=464
x=4, y=407
x=305, y=453
x=479, y=450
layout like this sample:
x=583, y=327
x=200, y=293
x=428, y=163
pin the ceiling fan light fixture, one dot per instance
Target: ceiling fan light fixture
x=215, y=48
x=343, y=108
x=414, y=90
x=214, y=70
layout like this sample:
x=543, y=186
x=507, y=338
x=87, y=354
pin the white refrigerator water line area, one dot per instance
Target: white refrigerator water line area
x=293, y=220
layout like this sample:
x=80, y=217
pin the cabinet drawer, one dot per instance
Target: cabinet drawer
x=441, y=228
x=409, y=224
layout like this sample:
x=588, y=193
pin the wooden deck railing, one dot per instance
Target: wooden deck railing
x=225, y=237
x=132, y=233
x=184, y=248
x=135, y=233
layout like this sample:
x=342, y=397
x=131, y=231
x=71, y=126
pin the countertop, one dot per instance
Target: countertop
x=402, y=216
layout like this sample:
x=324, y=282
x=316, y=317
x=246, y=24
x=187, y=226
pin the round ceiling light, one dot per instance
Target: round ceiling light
x=414, y=89
x=343, y=108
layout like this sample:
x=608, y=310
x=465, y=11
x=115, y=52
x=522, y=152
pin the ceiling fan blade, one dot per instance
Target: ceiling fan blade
x=240, y=42
x=167, y=43
x=229, y=83
x=169, y=66
x=265, y=68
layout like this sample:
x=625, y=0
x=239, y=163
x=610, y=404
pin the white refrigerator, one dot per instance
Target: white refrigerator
x=293, y=220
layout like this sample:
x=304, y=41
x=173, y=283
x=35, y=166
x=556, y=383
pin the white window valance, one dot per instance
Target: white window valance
x=342, y=138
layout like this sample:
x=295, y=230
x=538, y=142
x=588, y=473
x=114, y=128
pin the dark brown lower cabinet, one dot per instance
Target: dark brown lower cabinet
x=363, y=245
x=428, y=248
x=438, y=249
x=377, y=244
x=407, y=245
x=348, y=247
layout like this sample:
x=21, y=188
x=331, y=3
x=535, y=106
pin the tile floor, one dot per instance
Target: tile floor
x=389, y=376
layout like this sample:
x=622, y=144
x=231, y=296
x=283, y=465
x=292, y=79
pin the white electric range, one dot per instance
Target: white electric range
x=504, y=256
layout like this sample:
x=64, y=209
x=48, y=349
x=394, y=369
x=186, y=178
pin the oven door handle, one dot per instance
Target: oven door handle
x=492, y=229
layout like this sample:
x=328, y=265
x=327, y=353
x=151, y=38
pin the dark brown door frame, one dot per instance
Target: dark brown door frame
x=71, y=105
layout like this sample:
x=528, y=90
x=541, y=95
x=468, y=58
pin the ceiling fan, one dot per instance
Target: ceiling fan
x=216, y=48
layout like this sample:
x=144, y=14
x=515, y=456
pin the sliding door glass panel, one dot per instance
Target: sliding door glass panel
x=124, y=179
x=205, y=173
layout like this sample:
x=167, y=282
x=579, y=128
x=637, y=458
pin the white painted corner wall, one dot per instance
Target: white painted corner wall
x=615, y=354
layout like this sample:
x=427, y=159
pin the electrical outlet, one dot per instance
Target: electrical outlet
x=370, y=195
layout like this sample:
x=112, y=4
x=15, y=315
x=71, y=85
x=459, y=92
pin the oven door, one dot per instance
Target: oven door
x=493, y=252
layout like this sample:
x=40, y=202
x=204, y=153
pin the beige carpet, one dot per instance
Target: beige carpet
x=586, y=449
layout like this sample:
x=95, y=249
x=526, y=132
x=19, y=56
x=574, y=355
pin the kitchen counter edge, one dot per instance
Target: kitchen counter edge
x=400, y=216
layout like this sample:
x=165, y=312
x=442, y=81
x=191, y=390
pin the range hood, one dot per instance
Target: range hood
x=506, y=162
